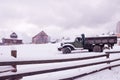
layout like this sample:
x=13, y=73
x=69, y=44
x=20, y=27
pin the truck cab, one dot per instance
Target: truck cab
x=67, y=47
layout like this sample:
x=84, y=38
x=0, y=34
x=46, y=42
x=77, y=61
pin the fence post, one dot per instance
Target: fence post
x=110, y=68
x=107, y=55
x=14, y=54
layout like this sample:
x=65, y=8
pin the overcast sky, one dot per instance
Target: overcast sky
x=58, y=17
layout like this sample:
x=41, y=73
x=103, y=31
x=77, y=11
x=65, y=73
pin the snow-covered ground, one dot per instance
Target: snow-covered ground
x=49, y=51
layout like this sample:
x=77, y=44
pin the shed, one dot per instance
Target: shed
x=12, y=40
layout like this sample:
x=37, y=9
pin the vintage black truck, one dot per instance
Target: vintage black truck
x=92, y=44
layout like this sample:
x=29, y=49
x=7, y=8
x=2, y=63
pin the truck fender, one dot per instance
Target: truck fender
x=69, y=45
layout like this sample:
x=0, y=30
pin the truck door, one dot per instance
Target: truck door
x=78, y=43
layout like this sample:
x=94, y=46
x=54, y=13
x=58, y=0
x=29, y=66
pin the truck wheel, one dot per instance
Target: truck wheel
x=90, y=50
x=97, y=48
x=66, y=50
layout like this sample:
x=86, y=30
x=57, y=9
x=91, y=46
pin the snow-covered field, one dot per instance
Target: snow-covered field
x=49, y=51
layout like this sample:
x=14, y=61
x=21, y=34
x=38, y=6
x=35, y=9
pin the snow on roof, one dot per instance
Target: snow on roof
x=7, y=35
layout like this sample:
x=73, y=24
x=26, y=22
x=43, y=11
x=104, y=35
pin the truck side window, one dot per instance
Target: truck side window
x=78, y=39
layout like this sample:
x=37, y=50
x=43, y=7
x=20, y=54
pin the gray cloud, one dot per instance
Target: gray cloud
x=75, y=13
x=72, y=14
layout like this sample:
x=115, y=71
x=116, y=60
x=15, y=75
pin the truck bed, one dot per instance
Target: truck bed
x=101, y=40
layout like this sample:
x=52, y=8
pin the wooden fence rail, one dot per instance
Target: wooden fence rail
x=49, y=61
x=112, y=52
x=94, y=71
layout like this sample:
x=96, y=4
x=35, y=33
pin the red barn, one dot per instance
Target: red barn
x=40, y=38
x=12, y=40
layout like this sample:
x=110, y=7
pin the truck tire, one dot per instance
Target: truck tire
x=97, y=48
x=66, y=50
x=90, y=50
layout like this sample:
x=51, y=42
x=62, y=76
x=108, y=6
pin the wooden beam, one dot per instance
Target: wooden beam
x=24, y=62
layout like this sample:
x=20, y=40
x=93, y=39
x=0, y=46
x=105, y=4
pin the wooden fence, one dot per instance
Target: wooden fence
x=19, y=75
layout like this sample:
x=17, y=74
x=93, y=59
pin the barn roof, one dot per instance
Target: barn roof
x=7, y=35
x=42, y=33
